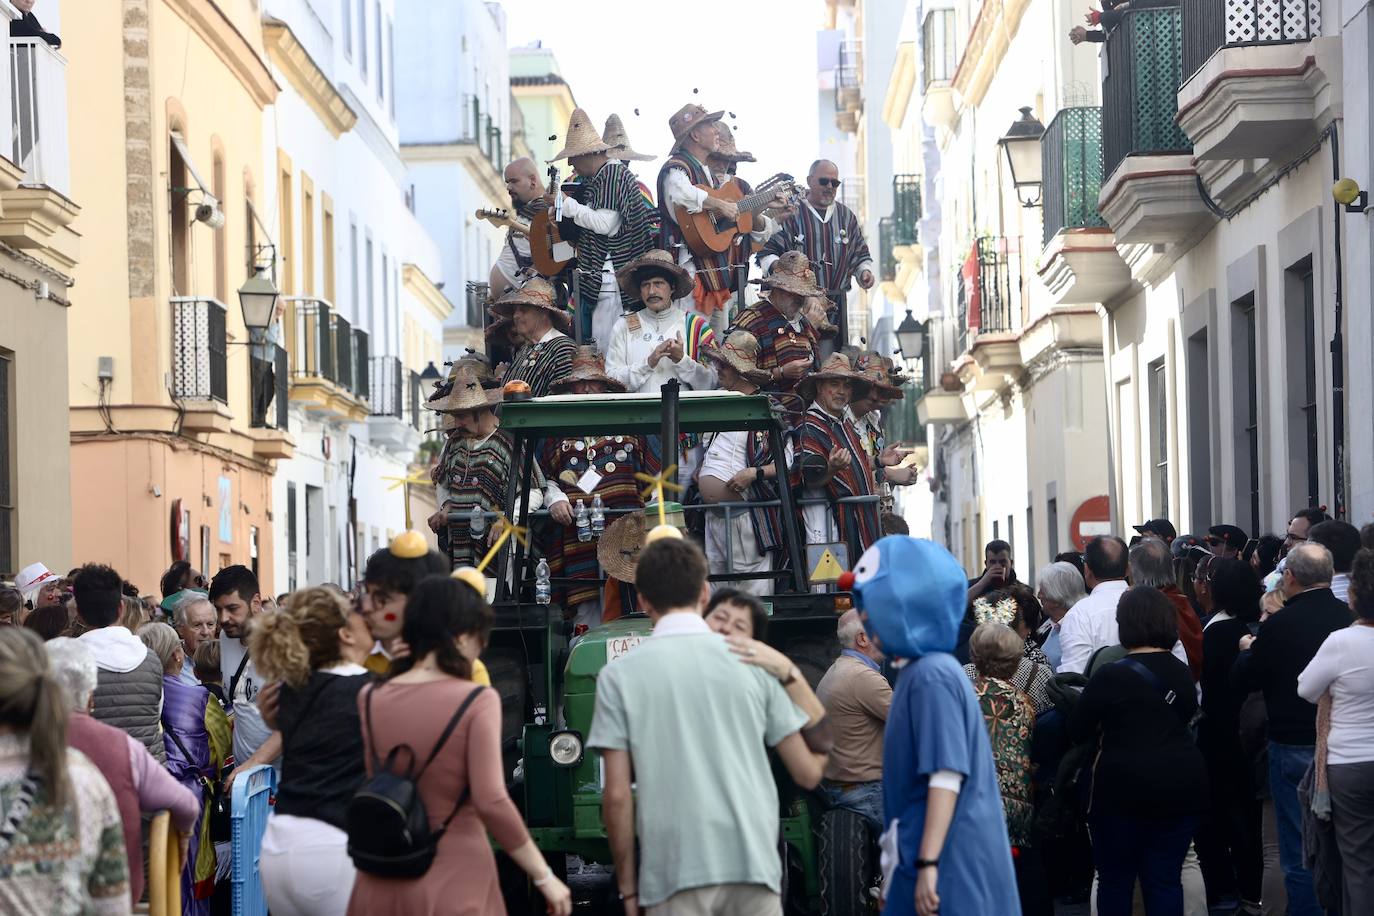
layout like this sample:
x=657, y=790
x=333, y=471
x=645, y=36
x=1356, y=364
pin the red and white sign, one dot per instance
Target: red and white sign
x=1091, y=519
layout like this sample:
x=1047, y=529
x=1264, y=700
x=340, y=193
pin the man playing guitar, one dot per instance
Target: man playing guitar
x=527, y=197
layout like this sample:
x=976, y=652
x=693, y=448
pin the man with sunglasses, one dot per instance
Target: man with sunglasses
x=1226, y=541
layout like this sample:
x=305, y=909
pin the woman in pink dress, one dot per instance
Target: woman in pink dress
x=446, y=627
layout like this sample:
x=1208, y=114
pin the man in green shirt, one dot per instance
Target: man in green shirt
x=694, y=723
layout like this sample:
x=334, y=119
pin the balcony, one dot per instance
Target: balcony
x=393, y=422
x=939, y=60
x=1080, y=263
x=852, y=195
x=849, y=86
x=323, y=364
x=200, y=363
x=992, y=313
x=1260, y=86
x=269, y=371
x=1150, y=193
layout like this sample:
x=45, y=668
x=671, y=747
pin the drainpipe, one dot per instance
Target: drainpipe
x=1337, y=354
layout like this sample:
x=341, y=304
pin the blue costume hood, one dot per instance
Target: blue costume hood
x=913, y=596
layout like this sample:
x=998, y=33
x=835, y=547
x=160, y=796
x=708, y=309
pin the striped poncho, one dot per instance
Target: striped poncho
x=820, y=435
x=614, y=187
x=540, y=365
x=835, y=246
x=712, y=273
x=780, y=342
x=476, y=472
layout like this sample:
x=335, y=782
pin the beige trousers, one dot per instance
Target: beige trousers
x=721, y=900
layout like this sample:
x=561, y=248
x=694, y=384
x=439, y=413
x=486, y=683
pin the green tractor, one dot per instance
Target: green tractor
x=547, y=677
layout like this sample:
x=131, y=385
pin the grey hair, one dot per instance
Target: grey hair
x=995, y=649
x=162, y=639
x=1310, y=564
x=1152, y=563
x=73, y=666
x=849, y=628
x=181, y=608
x=1062, y=583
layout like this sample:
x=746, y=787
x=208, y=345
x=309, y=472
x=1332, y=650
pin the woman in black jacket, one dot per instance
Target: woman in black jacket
x=1149, y=782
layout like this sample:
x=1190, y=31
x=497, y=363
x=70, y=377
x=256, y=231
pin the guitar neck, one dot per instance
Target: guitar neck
x=755, y=202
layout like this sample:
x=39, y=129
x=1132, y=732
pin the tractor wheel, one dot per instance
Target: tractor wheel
x=510, y=679
x=812, y=653
x=522, y=898
x=847, y=864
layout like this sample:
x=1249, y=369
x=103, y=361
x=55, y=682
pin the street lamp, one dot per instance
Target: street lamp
x=1022, y=146
x=431, y=374
x=911, y=337
x=258, y=299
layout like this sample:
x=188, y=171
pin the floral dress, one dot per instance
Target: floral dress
x=1010, y=719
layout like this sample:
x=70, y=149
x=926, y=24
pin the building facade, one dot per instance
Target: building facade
x=543, y=99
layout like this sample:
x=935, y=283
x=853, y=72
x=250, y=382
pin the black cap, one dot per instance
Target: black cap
x=1160, y=527
x=1184, y=543
x=1230, y=535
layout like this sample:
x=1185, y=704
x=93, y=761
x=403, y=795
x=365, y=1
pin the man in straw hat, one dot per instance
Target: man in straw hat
x=581, y=469
x=833, y=463
x=827, y=232
x=514, y=265
x=695, y=139
x=547, y=353
x=621, y=151
x=725, y=160
x=738, y=466
x=613, y=219
x=865, y=411
x=787, y=342
x=661, y=341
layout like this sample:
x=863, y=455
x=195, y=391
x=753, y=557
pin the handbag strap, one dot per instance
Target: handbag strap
x=238, y=673
x=443, y=737
x=1167, y=693
x=467, y=789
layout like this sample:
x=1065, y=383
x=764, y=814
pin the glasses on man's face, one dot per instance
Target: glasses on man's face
x=1292, y=539
x=828, y=182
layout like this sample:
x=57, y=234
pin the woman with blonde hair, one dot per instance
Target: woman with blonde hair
x=61, y=838
x=315, y=646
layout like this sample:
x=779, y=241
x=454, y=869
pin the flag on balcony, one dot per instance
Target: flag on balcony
x=975, y=292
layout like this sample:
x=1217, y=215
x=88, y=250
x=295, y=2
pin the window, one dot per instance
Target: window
x=391, y=64
x=7, y=488
x=1200, y=430
x=1300, y=318
x=362, y=37
x=381, y=66
x=346, y=28
x=1158, y=395
x=353, y=265
x=177, y=177
x=371, y=300
x=386, y=298
x=307, y=236
x=221, y=238
x=285, y=198
x=1030, y=538
x=327, y=240
x=1011, y=534
x=938, y=46
x=205, y=548
x=1052, y=525
x=996, y=531
x=253, y=550
x=1245, y=385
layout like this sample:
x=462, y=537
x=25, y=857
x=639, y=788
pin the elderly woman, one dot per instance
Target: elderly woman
x=1012, y=607
x=1060, y=588
x=139, y=782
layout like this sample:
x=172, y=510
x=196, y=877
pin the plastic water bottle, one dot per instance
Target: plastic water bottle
x=584, y=525
x=542, y=589
x=598, y=515
x=477, y=522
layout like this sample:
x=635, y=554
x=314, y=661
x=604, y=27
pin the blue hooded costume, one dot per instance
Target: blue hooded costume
x=912, y=594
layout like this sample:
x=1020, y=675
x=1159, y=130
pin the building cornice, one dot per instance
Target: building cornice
x=423, y=289
x=208, y=21
x=900, y=85
x=987, y=44
x=306, y=77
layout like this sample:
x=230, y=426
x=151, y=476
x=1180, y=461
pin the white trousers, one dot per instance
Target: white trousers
x=608, y=309
x=305, y=867
x=744, y=551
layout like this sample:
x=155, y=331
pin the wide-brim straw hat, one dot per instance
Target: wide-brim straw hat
x=875, y=368
x=728, y=150
x=620, y=545
x=587, y=366
x=792, y=272
x=537, y=292
x=658, y=262
x=615, y=137
x=468, y=393
x=836, y=367
x=581, y=138
x=741, y=353
x=688, y=118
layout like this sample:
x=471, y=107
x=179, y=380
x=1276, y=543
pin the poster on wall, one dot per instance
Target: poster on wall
x=226, y=511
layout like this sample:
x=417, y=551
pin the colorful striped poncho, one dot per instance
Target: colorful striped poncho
x=540, y=365
x=820, y=435
x=835, y=247
x=476, y=473
x=712, y=273
x=779, y=342
x=614, y=187
x=654, y=224
x=697, y=336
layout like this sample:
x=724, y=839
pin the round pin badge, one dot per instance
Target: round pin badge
x=610, y=467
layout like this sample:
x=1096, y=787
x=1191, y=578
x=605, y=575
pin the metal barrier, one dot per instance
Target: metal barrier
x=253, y=796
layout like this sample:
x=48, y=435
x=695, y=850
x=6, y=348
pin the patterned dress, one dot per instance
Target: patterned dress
x=541, y=364
x=1010, y=718
x=780, y=341
x=835, y=247
x=615, y=459
x=472, y=471
x=820, y=435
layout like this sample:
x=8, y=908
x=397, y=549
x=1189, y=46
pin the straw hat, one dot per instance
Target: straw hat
x=728, y=150
x=741, y=353
x=467, y=393
x=689, y=117
x=792, y=272
x=537, y=292
x=500, y=330
x=619, y=547
x=581, y=138
x=875, y=369
x=587, y=366
x=655, y=262
x=836, y=367
x=614, y=137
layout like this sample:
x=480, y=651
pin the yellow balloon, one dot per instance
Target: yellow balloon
x=473, y=577
x=658, y=532
x=409, y=545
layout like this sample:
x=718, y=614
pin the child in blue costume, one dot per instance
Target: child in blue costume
x=943, y=810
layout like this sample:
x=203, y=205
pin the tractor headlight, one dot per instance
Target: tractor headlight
x=565, y=748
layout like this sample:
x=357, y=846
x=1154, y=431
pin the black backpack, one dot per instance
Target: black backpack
x=387, y=825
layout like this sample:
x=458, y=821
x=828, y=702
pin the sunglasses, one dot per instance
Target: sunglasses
x=828, y=182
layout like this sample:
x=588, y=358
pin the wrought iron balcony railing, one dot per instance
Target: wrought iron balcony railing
x=1140, y=89
x=996, y=284
x=1071, y=153
x=343, y=350
x=387, y=387
x=416, y=395
x=362, y=383
x=885, y=245
x=200, y=364
x=848, y=75
x=269, y=371
x=1209, y=25
x=312, y=344
x=906, y=208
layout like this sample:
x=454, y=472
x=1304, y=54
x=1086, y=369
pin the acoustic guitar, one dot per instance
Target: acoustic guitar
x=549, y=250
x=708, y=234
x=504, y=219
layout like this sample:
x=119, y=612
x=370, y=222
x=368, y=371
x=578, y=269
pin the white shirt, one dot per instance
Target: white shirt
x=1340, y=586
x=627, y=360
x=1091, y=625
x=727, y=455
x=250, y=731
x=1345, y=665
x=681, y=623
x=602, y=222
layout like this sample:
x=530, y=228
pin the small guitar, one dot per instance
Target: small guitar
x=708, y=234
x=504, y=219
x=550, y=252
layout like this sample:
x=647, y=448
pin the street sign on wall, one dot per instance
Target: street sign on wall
x=1092, y=518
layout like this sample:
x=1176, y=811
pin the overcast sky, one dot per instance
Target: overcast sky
x=756, y=58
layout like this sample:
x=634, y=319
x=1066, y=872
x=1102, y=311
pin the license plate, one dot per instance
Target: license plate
x=621, y=645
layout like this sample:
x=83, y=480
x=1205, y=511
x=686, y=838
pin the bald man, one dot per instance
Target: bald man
x=856, y=698
x=527, y=198
x=827, y=232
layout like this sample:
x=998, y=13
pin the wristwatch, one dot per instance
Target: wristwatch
x=630, y=896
